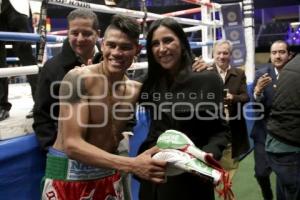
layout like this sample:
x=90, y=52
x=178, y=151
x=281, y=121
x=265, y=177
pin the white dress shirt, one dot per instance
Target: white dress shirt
x=222, y=72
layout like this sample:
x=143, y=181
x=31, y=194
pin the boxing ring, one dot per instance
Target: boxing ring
x=22, y=168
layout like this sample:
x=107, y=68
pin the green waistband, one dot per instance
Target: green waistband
x=57, y=167
x=63, y=168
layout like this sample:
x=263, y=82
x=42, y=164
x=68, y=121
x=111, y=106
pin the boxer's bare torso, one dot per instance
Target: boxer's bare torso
x=101, y=106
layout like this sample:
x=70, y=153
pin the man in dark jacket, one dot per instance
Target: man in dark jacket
x=283, y=139
x=236, y=96
x=77, y=50
x=265, y=84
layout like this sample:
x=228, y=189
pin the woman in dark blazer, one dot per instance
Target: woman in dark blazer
x=180, y=99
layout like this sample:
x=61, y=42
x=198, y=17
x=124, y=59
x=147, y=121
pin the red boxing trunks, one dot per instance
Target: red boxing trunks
x=68, y=179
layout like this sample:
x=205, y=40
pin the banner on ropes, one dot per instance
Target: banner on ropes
x=234, y=31
x=238, y=55
x=232, y=15
x=235, y=35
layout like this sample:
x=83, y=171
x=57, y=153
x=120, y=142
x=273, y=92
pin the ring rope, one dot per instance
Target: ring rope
x=33, y=37
x=201, y=3
x=128, y=12
x=183, y=12
x=18, y=71
x=29, y=37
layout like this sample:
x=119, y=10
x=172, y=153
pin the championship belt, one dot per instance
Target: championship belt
x=183, y=156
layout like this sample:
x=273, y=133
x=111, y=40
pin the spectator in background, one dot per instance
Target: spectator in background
x=235, y=93
x=283, y=138
x=264, y=88
x=235, y=96
x=14, y=17
x=169, y=74
x=78, y=49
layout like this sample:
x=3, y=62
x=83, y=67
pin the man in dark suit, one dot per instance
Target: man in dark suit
x=78, y=49
x=265, y=83
x=235, y=97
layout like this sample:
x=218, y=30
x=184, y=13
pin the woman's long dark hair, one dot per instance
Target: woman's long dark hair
x=155, y=70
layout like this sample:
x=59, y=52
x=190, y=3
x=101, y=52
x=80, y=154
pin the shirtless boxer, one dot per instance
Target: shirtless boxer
x=95, y=103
